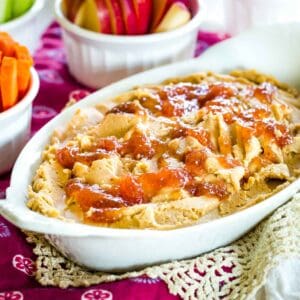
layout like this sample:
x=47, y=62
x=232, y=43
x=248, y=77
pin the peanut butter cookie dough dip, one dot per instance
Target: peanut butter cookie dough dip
x=163, y=156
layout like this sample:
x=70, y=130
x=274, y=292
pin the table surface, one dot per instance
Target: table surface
x=17, y=267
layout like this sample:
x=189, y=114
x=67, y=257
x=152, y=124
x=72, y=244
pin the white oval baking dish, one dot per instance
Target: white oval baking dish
x=271, y=50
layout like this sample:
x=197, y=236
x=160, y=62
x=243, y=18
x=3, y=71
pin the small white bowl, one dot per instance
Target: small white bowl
x=15, y=126
x=97, y=59
x=24, y=29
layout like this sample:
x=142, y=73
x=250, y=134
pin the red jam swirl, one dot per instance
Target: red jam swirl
x=109, y=144
x=138, y=146
x=152, y=183
x=219, y=98
x=127, y=107
x=217, y=189
x=278, y=132
x=251, y=119
x=131, y=190
x=99, y=205
x=92, y=196
x=200, y=134
x=228, y=162
x=128, y=191
x=265, y=92
x=179, y=99
x=105, y=204
x=68, y=156
x=195, y=162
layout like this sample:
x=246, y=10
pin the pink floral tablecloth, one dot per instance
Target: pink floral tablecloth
x=17, y=267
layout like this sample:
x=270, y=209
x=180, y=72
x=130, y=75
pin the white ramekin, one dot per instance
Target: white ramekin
x=15, y=126
x=25, y=29
x=96, y=59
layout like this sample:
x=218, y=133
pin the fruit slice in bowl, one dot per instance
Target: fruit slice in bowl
x=70, y=8
x=103, y=16
x=161, y=7
x=5, y=10
x=12, y=9
x=129, y=17
x=144, y=12
x=116, y=18
x=177, y=15
x=86, y=16
x=19, y=7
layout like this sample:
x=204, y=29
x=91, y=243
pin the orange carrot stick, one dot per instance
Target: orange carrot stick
x=7, y=46
x=1, y=105
x=5, y=35
x=9, y=83
x=21, y=52
x=23, y=76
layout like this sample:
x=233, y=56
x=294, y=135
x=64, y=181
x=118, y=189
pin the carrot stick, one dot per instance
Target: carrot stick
x=1, y=56
x=21, y=52
x=23, y=76
x=1, y=105
x=7, y=46
x=9, y=84
x=5, y=35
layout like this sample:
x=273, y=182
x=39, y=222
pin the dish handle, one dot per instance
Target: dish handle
x=7, y=211
x=16, y=216
x=27, y=221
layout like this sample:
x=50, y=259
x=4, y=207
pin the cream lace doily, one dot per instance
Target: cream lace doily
x=233, y=272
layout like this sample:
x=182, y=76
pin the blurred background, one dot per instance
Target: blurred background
x=228, y=16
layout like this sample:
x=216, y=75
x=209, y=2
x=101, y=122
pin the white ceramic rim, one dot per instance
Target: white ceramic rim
x=27, y=99
x=33, y=11
x=129, y=39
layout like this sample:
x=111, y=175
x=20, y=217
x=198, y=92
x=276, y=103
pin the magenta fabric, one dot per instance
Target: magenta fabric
x=17, y=266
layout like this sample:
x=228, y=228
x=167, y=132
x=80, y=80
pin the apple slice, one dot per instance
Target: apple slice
x=116, y=20
x=143, y=10
x=159, y=8
x=103, y=16
x=177, y=15
x=70, y=8
x=187, y=3
x=129, y=17
x=86, y=16
x=20, y=7
x=5, y=10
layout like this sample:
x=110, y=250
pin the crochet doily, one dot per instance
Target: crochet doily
x=233, y=272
